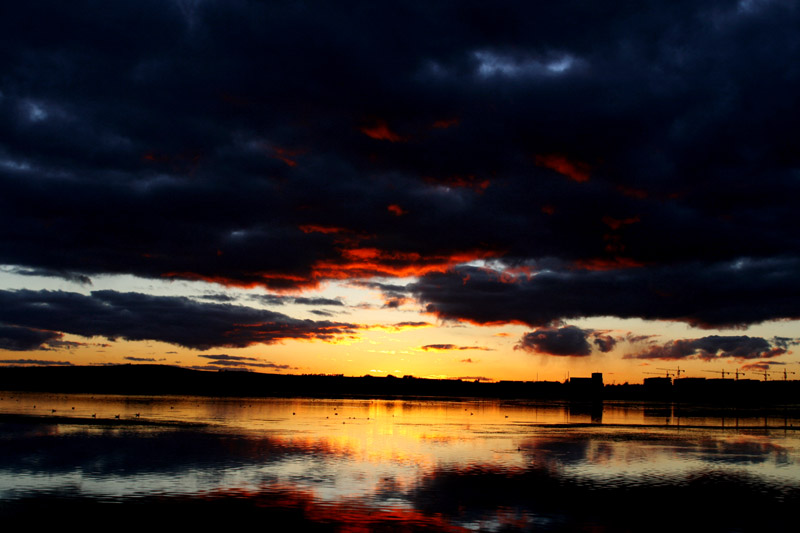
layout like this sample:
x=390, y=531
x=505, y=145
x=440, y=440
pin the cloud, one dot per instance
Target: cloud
x=785, y=342
x=400, y=326
x=37, y=362
x=17, y=338
x=222, y=298
x=175, y=320
x=574, y=170
x=565, y=341
x=605, y=343
x=236, y=361
x=704, y=295
x=184, y=155
x=69, y=276
x=712, y=347
x=763, y=366
x=317, y=301
x=757, y=366
x=226, y=357
x=277, y=299
x=447, y=347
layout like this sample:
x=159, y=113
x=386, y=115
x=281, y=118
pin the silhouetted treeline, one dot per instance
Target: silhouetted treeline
x=163, y=379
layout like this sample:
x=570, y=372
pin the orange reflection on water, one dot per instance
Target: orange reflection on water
x=362, y=465
x=350, y=515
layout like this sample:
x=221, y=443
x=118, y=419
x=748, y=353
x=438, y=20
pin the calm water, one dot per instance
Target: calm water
x=361, y=465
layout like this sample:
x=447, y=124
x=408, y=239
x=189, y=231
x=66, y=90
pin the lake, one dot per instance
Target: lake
x=395, y=465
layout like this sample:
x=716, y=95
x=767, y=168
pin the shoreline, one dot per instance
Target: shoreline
x=161, y=380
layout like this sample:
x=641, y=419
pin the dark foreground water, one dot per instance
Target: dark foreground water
x=392, y=465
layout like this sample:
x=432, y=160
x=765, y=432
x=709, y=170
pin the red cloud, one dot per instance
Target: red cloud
x=313, y=228
x=574, y=170
x=286, y=155
x=372, y=262
x=396, y=210
x=613, y=263
x=380, y=130
x=616, y=223
x=447, y=123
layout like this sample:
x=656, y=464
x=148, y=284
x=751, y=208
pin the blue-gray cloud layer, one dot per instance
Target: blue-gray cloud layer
x=135, y=316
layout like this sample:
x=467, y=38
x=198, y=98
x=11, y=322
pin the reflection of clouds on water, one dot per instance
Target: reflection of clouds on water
x=743, y=450
x=127, y=451
x=624, y=447
x=557, y=450
x=429, y=464
x=561, y=501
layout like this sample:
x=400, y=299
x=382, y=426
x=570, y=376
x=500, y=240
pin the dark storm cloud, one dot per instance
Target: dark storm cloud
x=393, y=304
x=17, y=338
x=282, y=145
x=269, y=299
x=605, y=343
x=275, y=299
x=565, y=341
x=176, y=320
x=69, y=276
x=317, y=301
x=712, y=347
x=220, y=298
x=785, y=342
x=701, y=294
x=393, y=294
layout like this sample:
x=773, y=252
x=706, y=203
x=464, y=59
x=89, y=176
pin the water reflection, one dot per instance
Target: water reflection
x=355, y=465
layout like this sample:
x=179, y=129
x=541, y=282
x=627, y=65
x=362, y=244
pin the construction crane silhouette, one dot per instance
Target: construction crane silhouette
x=784, y=372
x=677, y=370
x=723, y=372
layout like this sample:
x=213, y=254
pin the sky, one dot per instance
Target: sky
x=467, y=190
